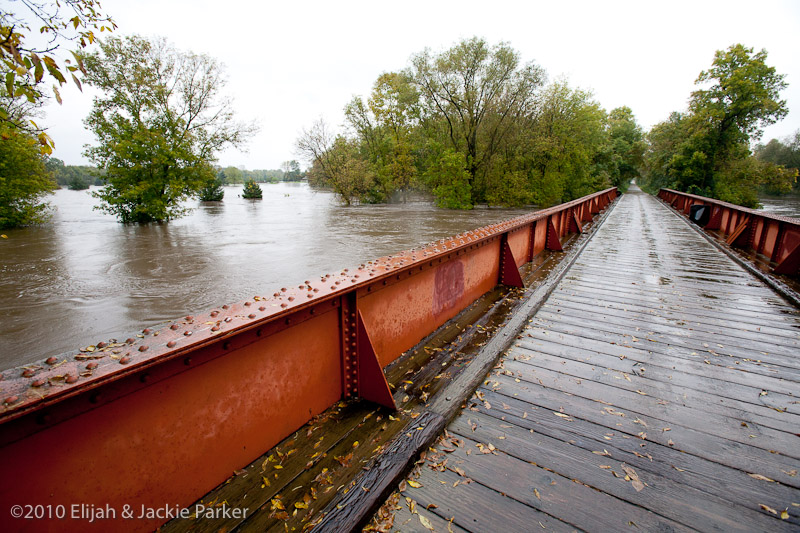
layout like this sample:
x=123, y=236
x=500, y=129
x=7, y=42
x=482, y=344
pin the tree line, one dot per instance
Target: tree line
x=474, y=125
x=706, y=150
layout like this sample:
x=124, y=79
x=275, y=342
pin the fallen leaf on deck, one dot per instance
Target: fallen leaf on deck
x=768, y=509
x=415, y=484
x=762, y=478
x=425, y=522
x=536, y=492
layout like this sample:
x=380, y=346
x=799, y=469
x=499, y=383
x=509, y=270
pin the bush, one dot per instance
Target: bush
x=252, y=190
x=212, y=191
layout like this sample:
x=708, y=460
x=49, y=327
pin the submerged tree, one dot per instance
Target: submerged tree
x=252, y=190
x=159, y=124
x=473, y=95
x=212, y=191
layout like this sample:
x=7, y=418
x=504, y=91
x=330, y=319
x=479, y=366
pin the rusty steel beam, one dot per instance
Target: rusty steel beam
x=169, y=413
x=773, y=237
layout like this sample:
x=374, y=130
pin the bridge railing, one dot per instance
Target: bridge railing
x=773, y=237
x=167, y=414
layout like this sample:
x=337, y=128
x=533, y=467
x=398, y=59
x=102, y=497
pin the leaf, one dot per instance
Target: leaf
x=425, y=522
x=768, y=509
x=762, y=478
x=415, y=484
x=536, y=492
x=58, y=95
x=785, y=514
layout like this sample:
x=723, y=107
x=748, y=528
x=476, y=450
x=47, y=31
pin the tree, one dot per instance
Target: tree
x=159, y=124
x=27, y=60
x=707, y=150
x=24, y=179
x=252, y=190
x=336, y=163
x=785, y=153
x=212, y=191
x=627, y=146
x=291, y=170
x=477, y=92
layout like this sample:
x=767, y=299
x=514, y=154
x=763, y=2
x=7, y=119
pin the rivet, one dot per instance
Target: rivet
x=171, y=344
x=147, y=331
x=187, y=361
x=10, y=400
x=259, y=333
x=38, y=383
x=174, y=327
x=291, y=298
x=71, y=378
x=226, y=345
x=187, y=333
x=101, y=344
x=262, y=308
x=287, y=321
x=247, y=304
x=190, y=318
x=95, y=397
x=251, y=315
x=124, y=360
x=143, y=348
x=284, y=305
x=130, y=340
x=214, y=328
x=51, y=360
x=28, y=372
x=43, y=419
x=227, y=319
x=214, y=313
x=144, y=378
x=91, y=366
x=307, y=282
x=225, y=307
x=310, y=295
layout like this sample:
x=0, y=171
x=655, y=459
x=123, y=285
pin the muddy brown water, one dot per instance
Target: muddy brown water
x=84, y=278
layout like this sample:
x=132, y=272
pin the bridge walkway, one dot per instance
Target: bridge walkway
x=658, y=389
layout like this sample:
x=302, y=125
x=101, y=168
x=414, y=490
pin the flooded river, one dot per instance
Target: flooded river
x=84, y=278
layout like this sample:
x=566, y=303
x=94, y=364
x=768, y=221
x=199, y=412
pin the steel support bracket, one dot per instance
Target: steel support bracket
x=575, y=225
x=362, y=374
x=552, y=242
x=790, y=264
x=716, y=218
x=509, y=273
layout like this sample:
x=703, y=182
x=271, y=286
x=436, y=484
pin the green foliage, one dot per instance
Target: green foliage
x=25, y=66
x=212, y=191
x=474, y=125
x=252, y=190
x=784, y=153
x=24, y=179
x=707, y=150
x=159, y=122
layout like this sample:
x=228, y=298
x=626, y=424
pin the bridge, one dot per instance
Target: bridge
x=598, y=365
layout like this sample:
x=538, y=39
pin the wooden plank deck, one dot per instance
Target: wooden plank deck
x=658, y=389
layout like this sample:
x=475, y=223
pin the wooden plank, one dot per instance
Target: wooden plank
x=761, y=323
x=728, y=427
x=683, y=504
x=675, y=385
x=476, y=507
x=625, y=445
x=726, y=337
x=553, y=494
x=711, y=447
x=366, y=493
x=669, y=344
x=407, y=521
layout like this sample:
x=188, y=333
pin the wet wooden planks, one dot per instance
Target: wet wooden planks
x=658, y=390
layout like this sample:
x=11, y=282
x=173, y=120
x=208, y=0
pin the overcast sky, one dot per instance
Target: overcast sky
x=291, y=62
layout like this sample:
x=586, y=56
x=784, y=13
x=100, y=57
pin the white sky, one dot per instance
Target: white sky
x=291, y=62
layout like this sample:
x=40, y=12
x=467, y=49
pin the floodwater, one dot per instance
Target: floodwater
x=787, y=206
x=84, y=278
